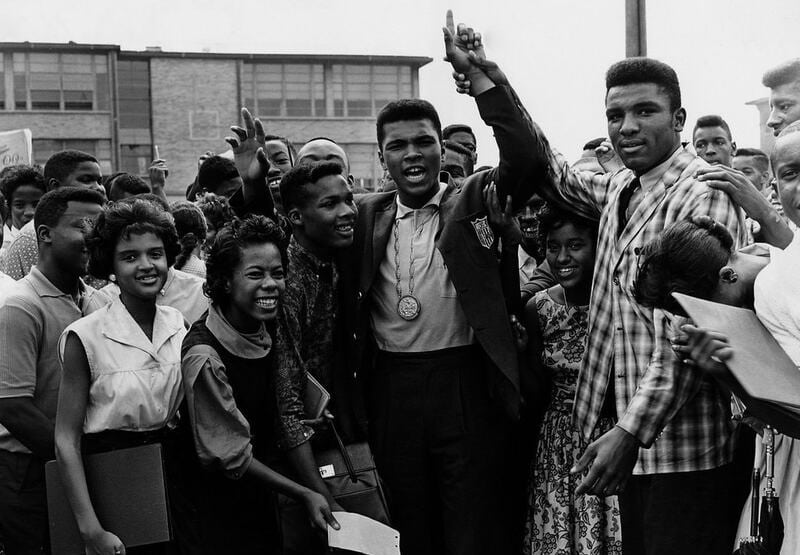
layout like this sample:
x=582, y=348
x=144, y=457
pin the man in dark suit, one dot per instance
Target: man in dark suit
x=428, y=332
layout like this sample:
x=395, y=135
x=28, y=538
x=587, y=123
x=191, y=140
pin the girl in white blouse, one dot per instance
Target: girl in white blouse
x=121, y=382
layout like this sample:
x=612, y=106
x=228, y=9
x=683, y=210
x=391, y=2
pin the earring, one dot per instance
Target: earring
x=728, y=274
x=112, y=278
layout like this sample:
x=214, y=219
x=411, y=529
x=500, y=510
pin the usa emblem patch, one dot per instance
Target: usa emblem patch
x=484, y=231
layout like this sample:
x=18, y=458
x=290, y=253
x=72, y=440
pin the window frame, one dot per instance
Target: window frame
x=13, y=102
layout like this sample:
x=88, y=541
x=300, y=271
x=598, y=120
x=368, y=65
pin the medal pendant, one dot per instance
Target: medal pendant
x=408, y=307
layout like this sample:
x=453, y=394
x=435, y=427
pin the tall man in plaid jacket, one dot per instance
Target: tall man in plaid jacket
x=674, y=432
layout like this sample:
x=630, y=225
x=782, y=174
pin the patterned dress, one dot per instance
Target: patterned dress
x=558, y=522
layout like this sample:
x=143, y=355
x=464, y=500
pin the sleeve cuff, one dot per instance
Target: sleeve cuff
x=296, y=438
x=644, y=430
x=240, y=467
x=487, y=99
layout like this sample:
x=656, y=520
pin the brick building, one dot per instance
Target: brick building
x=119, y=104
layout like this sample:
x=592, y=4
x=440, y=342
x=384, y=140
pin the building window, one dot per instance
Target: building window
x=298, y=90
x=364, y=164
x=69, y=82
x=133, y=85
x=284, y=90
x=100, y=149
x=362, y=90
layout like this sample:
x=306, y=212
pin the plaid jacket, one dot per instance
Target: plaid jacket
x=681, y=418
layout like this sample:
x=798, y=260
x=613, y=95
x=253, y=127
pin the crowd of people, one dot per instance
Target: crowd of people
x=504, y=339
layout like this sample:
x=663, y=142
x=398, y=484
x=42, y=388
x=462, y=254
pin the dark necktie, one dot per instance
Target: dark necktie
x=625, y=201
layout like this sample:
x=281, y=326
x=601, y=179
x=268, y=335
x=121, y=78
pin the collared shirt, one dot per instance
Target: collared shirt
x=135, y=382
x=776, y=297
x=527, y=266
x=221, y=432
x=6, y=285
x=181, y=290
x=195, y=266
x=657, y=397
x=31, y=321
x=22, y=254
x=9, y=234
x=441, y=322
x=304, y=339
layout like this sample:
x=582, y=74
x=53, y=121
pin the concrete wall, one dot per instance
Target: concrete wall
x=194, y=102
x=59, y=125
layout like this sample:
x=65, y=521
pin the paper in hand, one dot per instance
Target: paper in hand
x=363, y=535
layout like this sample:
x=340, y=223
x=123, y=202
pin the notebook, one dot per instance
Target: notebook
x=127, y=488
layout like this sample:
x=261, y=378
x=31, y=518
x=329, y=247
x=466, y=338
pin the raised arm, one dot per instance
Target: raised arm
x=499, y=107
x=527, y=163
x=251, y=160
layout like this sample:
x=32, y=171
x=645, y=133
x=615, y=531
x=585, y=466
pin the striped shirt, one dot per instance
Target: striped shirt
x=681, y=418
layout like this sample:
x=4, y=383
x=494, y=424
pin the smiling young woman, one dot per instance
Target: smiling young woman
x=121, y=381
x=230, y=404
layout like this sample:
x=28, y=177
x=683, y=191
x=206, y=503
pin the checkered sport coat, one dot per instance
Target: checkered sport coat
x=680, y=417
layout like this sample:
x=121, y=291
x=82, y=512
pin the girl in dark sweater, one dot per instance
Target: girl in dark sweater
x=226, y=360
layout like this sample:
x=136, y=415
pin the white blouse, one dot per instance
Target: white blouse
x=135, y=383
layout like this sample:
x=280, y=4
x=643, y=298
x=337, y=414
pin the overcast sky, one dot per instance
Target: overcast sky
x=555, y=52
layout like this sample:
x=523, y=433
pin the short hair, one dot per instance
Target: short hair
x=190, y=224
x=120, y=220
x=321, y=138
x=213, y=171
x=456, y=147
x=216, y=208
x=686, y=258
x=14, y=177
x=645, y=70
x=154, y=198
x=594, y=143
x=786, y=72
x=549, y=217
x=289, y=146
x=294, y=183
x=3, y=209
x=54, y=203
x=790, y=129
x=712, y=120
x=63, y=163
x=404, y=110
x=458, y=128
x=127, y=183
x=758, y=155
x=225, y=252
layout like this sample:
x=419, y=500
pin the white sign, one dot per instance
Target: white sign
x=15, y=148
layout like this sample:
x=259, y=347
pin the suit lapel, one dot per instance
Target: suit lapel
x=643, y=213
x=446, y=208
x=381, y=230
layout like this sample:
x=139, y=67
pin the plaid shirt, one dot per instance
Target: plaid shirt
x=680, y=417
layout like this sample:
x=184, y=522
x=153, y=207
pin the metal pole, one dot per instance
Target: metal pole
x=635, y=28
